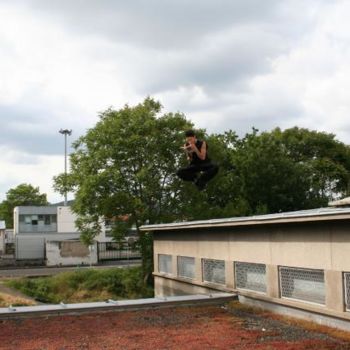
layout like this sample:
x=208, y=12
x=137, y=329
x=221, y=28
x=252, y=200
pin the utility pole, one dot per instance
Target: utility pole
x=65, y=132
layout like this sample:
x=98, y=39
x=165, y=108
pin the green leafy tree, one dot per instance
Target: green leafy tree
x=291, y=170
x=23, y=194
x=326, y=162
x=126, y=166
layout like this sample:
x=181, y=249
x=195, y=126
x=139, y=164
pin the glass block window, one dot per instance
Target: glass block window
x=213, y=271
x=303, y=284
x=250, y=276
x=186, y=266
x=165, y=263
x=347, y=290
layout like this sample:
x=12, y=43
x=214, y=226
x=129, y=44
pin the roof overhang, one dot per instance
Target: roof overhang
x=313, y=215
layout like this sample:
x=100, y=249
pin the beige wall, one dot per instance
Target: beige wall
x=66, y=220
x=318, y=246
x=312, y=245
x=165, y=287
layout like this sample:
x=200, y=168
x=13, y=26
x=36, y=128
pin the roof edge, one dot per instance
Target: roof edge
x=320, y=214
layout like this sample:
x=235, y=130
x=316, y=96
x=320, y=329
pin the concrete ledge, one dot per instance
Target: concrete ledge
x=208, y=285
x=290, y=311
x=295, y=304
x=115, y=305
x=292, y=304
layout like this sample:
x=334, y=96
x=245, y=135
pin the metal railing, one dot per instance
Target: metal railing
x=116, y=251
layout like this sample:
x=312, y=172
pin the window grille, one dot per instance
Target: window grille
x=165, y=263
x=347, y=290
x=186, y=266
x=302, y=284
x=250, y=276
x=214, y=271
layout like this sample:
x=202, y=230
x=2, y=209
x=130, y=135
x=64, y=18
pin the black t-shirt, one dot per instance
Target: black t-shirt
x=195, y=159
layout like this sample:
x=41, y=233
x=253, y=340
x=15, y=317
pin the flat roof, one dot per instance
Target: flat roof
x=35, y=210
x=320, y=214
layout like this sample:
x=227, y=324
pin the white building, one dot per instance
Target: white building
x=49, y=233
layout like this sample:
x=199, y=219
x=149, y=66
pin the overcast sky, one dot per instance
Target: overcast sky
x=226, y=64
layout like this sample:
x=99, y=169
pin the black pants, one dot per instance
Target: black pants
x=190, y=173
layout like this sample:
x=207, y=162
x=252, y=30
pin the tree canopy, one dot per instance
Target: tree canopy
x=23, y=194
x=125, y=166
x=291, y=170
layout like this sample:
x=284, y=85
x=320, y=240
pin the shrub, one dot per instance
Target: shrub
x=86, y=285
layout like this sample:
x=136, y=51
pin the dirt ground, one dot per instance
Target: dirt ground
x=202, y=327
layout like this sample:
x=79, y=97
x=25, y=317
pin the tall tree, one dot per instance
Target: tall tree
x=126, y=166
x=24, y=194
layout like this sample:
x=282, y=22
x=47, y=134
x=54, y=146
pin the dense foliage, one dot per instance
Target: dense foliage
x=125, y=167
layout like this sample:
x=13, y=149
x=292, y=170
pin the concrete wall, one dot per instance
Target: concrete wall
x=318, y=246
x=165, y=287
x=70, y=253
x=324, y=246
x=32, y=246
x=66, y=220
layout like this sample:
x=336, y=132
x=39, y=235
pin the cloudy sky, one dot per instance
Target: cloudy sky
x=226, y=64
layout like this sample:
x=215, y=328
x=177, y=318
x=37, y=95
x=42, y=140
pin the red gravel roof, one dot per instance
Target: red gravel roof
x=198, y=327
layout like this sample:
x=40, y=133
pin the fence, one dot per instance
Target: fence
x=116, y=251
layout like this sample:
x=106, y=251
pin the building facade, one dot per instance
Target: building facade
x=296, y=261
x=48, y=233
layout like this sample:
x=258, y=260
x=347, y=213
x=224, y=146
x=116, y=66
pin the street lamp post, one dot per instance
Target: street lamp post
x=65, y=132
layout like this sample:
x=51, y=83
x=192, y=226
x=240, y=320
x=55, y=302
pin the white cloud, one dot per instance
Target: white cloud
x=226, y=65
x=20, y=167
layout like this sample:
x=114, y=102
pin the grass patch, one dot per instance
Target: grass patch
x=85, y=285
x=7, y=300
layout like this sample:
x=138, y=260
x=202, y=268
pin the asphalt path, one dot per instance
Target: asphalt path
x=50, y=271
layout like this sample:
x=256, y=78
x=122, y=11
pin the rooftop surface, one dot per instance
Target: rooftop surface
x=320, y=214
x=227, y=326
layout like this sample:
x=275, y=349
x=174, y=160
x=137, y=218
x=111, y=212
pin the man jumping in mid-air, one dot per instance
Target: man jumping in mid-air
x=201, y=169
